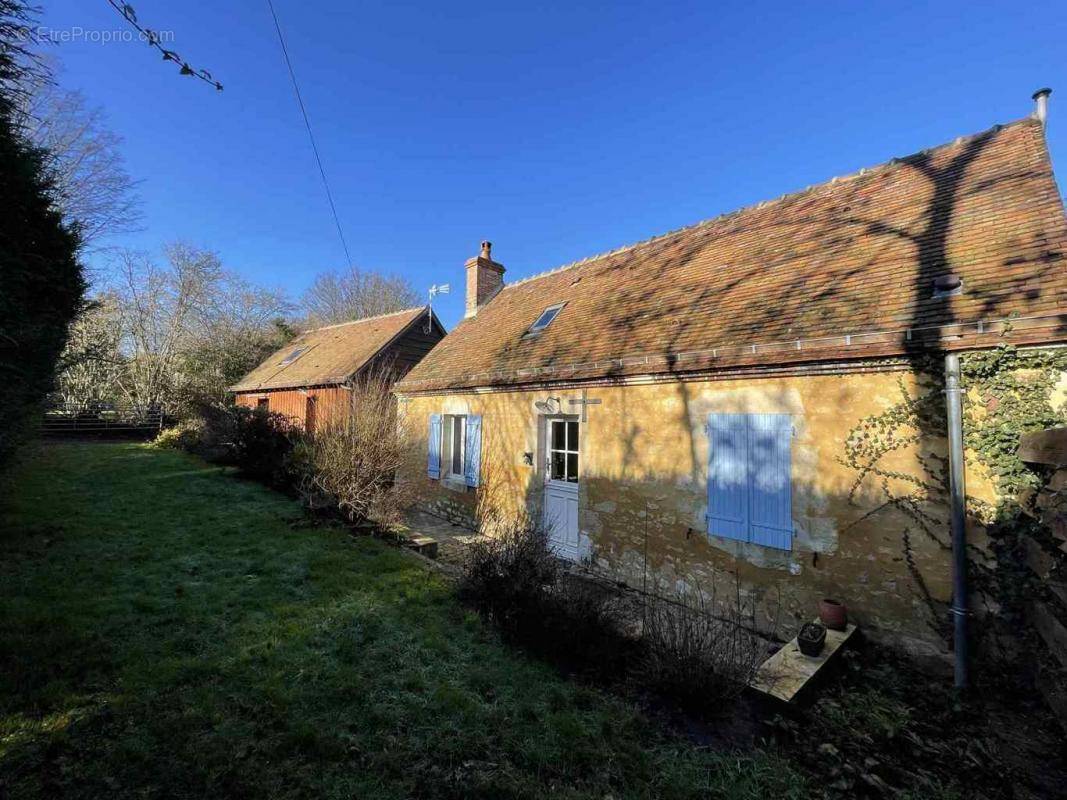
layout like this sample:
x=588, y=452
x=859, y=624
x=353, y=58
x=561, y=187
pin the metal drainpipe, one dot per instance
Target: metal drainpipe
x=958, y=502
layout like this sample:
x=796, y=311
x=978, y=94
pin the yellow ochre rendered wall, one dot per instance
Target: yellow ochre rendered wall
x=643, y=494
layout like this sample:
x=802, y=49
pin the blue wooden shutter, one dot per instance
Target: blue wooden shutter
x=728, y=476
x=433, y=466
x=472, y=448
x=770, y=480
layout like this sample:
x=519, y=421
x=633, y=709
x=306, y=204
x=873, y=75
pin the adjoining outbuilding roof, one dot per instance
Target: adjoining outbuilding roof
x=937, y=249
x=330, y=355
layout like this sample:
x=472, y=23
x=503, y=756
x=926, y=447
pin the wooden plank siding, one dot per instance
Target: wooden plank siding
x=399, y=357
x=409, y=349
x=329, y=400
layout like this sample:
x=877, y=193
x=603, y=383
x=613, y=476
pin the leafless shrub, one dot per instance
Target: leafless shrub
x=587, y=624
x=700, y=648
x=507, y=577
x=355, y=456
x=691, y=645
x=519, y=584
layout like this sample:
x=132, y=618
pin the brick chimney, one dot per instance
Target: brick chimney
x=484, y=279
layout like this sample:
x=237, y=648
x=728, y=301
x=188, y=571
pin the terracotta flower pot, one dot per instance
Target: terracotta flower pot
x=834, y=615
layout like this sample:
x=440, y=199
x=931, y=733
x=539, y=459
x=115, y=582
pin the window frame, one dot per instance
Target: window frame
x=567, y=449
x=536, y=329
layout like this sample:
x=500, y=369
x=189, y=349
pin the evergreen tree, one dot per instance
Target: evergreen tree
x=41, y=283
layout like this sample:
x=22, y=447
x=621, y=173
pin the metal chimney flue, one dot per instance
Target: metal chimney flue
x=1041, y=105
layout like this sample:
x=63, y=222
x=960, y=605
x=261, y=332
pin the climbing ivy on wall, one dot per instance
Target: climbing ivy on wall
x=1007, y=392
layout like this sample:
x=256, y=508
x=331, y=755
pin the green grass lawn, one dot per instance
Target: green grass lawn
x=167, y=630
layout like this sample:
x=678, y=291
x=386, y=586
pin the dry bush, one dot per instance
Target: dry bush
x=700, y=649
x=355, y=457
x=587, y=625
x=515, y=580
x=263, y=444
x=696, y=648
x=507, y=576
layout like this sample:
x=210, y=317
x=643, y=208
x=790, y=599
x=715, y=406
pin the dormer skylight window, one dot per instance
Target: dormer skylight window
x=546, y=318
x=293, y=356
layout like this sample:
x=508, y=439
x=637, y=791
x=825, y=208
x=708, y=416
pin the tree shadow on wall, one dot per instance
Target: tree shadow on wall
x=700, y=303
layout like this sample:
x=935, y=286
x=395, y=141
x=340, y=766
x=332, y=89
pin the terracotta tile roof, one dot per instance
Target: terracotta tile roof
x=841, y=270
x=328, y=355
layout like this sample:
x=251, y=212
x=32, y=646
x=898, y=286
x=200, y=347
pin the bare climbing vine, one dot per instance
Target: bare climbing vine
x=1008, y=392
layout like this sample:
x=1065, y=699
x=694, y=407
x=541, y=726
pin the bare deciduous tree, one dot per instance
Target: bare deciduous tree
x=343, y=296
x=92, y=185
x=83, y=157
x=92, y=363
x=189, y=327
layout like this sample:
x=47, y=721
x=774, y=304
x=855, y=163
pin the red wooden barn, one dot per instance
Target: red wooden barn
x=310, y=378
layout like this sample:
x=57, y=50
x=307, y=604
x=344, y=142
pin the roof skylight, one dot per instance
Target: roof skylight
x=546, y=318
x=293, y=356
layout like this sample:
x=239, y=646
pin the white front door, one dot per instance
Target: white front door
x=561, y=487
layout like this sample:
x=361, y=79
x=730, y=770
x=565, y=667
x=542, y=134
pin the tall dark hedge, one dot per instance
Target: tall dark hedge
x=41, y=282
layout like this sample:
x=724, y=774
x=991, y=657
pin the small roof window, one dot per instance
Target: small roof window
x=546, y=318
x=293, y=356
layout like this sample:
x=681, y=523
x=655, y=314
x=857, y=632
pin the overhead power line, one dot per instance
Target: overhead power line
x=153, y=39
x=311, y=135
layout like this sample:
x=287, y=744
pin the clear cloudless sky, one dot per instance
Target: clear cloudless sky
x=556, y=130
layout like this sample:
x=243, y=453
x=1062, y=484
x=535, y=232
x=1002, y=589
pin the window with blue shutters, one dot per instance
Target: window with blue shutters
x=750, y=478
x=472, y=450
x=433, y=467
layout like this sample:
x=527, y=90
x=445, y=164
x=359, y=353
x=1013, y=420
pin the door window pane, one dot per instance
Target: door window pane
x=558, y=466
x=559, y=435
x=563, y=450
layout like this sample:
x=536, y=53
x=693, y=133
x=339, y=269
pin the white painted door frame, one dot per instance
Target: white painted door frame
x=562, y=462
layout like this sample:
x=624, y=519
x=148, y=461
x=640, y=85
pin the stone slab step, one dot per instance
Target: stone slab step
x=423, y=545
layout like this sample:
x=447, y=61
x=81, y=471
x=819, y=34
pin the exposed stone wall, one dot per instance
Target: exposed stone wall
x=643, y=494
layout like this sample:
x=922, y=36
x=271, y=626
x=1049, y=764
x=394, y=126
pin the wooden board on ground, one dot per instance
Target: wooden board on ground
x=788, y=671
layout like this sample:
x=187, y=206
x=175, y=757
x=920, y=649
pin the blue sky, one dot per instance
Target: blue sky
x=555, y=130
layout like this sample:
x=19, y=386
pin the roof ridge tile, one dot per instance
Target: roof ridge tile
x=366, y=319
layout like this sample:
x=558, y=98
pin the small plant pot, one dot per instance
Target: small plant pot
x=812, y=638
x=833, y=615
